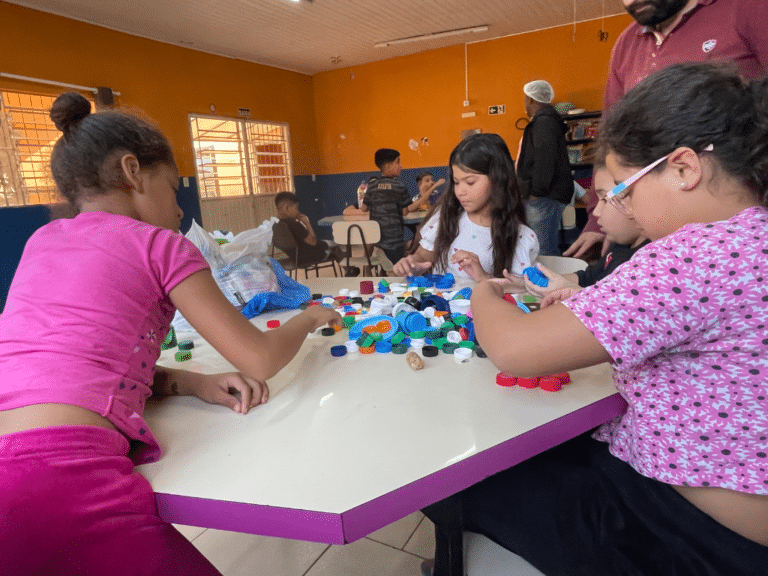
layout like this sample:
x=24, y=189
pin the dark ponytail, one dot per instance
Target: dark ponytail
x=694, y=105
x=758, y=155
x=85, y=161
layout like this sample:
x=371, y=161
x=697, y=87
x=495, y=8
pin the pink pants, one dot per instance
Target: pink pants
x=71, y=503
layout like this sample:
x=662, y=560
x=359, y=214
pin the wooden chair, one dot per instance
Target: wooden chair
x=283, y=239
x=365, y=234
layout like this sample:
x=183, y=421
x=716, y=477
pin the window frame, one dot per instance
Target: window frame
x=29, y=184
x=251, y=183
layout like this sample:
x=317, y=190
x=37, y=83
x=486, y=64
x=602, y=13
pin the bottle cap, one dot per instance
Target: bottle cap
x=182, y=355
x=504, y=379
x=383, y=347
x=186, y=344
x=338, y=351
x=351, y=346
x=428, y=351
x=462, y=355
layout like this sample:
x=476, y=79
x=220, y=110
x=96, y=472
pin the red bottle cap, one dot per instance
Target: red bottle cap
x=504, y=379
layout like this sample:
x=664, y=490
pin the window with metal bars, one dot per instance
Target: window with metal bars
x=237, y=157
x=27, y=136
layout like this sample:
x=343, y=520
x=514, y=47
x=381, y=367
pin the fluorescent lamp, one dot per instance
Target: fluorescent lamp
x=434, y=36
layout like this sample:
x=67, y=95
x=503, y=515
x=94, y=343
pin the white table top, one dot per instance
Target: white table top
x=348, y=445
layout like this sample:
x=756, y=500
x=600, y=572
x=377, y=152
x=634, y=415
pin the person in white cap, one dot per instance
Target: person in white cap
x=543, y=168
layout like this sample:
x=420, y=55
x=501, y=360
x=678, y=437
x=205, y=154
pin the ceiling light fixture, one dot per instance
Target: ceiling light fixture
x=434, y=36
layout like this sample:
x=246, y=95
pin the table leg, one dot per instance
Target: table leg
x=449, y=536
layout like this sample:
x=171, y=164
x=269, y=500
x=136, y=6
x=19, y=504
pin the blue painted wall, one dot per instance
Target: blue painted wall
x=17, y=224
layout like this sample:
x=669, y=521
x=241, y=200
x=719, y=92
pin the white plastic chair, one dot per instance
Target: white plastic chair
x=562, y=264
x=364, y=234
x=483, y=557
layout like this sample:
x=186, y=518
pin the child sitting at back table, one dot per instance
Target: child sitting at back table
x=427, y=195
x=88, y=308
x=310, y=249
x=622, y=232
x=477, y=229
x=679, y=484
x=388, y=201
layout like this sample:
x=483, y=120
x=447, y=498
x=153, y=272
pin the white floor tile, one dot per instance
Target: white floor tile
x=236, y=554
x=189, y=532
x=422, y=543
x=366, y=558
x=398, y=533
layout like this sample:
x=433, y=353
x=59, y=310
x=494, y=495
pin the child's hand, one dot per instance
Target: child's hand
x=509, y=284
x=410, y=266
x=322, y=316
x=221, y=389
x=470, y=263
x=559, y=295
x=556, y=282
x=440, y=182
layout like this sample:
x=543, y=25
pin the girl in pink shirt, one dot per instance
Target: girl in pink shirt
x=88, y=308
x=679, y=484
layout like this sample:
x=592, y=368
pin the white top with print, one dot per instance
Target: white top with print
x=477, y=239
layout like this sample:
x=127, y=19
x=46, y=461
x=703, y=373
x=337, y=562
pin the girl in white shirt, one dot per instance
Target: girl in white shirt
x=477, y=229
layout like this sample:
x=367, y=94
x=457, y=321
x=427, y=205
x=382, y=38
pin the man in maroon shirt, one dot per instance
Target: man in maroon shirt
x=671, y=31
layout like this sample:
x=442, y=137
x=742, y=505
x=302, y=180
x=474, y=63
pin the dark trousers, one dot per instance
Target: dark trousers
x=577, y=510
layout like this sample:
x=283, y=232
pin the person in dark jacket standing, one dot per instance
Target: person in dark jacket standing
x=543, y=169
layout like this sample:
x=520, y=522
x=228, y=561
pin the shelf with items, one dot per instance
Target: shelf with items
x=580, y=138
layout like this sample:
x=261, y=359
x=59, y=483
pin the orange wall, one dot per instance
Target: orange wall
x=165, y=82
x=388, y=103
x=338, y=118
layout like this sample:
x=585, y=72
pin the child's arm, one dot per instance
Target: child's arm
x=211, y=388
x=414, y=264
x=311, y=238
x=258, y=355
x=423, y=199
x=544, y=342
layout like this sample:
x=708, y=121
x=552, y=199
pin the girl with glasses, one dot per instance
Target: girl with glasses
x=679, y=484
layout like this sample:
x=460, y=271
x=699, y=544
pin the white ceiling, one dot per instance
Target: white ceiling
x=317, y=35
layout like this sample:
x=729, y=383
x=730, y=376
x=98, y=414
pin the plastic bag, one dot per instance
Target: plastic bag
x=292, y=295
x=240, y=267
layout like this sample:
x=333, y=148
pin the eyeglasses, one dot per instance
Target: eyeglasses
x=618, y=196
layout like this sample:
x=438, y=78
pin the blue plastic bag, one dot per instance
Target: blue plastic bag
x=291, y=295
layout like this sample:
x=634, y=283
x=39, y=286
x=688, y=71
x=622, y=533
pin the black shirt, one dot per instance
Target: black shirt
x=386, y=198
x=617, y=254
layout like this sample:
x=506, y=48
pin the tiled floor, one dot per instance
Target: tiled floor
x=395, y=550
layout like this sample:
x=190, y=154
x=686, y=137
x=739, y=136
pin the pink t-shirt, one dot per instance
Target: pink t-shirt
x=86, y=313
x=686, y=323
